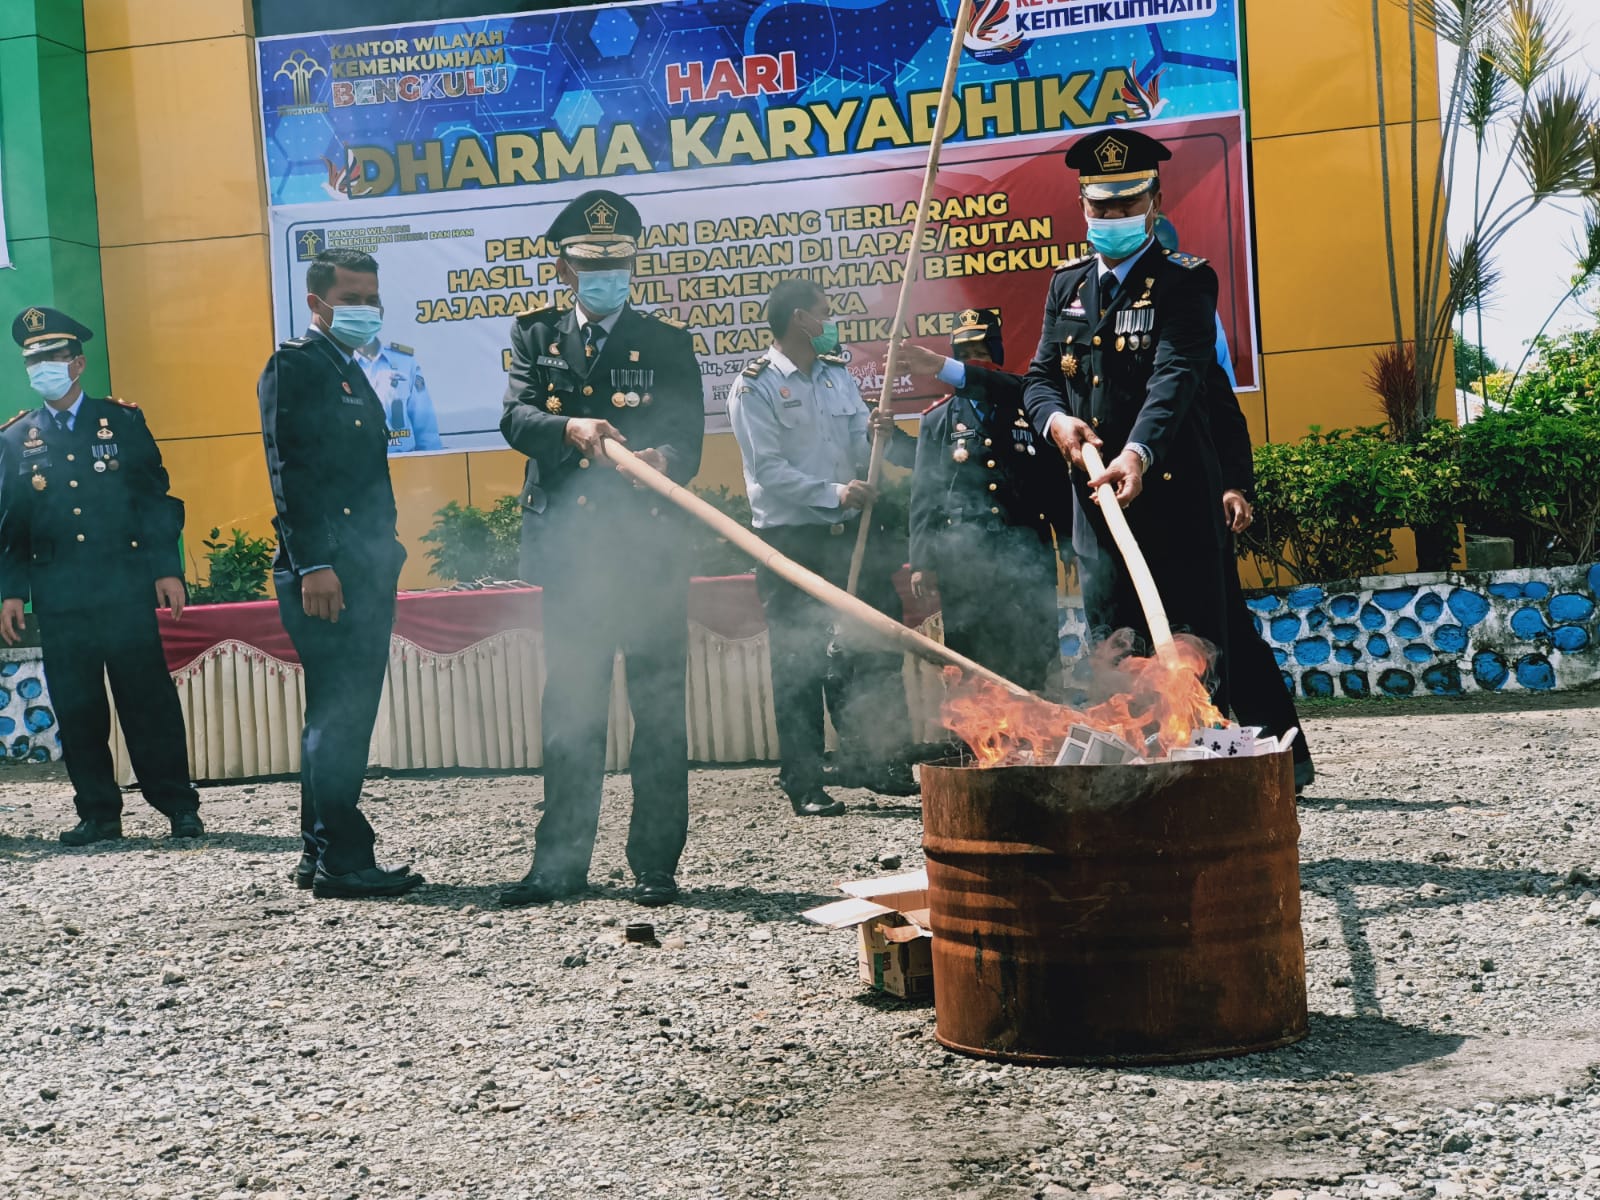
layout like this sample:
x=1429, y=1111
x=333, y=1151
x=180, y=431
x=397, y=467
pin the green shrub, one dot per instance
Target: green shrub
x=1534, y=475
x=468, y=544
x=1563, y=378
x=1327, y=505
x=237, y=569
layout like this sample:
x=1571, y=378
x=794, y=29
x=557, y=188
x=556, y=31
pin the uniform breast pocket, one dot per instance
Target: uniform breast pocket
x=795, y=413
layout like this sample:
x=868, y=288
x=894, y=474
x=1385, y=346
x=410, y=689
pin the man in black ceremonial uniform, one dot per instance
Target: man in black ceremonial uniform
x=612, y=559
x=982, y=497
x=90, y=533
x=338, y=563
x=1129, y=338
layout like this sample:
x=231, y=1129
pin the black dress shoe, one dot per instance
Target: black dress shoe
x=304, y=871
x=655, y=888
x=365, y=884
x=187, y=825
x=1304, y=775
x=542, y=887
x=86, y=832
x=815, y=803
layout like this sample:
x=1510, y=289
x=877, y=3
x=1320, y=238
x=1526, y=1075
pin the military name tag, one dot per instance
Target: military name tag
x=791, y=403
x=29, y=449
x=355, y=400
x=544, y=360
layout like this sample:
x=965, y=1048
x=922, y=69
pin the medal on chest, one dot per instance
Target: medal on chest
x=631, y=385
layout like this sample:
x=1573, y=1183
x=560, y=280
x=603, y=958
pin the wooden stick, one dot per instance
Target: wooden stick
x=836, y=598
x=1144, y=584
x=891, y=362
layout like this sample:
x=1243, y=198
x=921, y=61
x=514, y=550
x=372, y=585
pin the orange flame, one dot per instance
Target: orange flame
x=1166, y=698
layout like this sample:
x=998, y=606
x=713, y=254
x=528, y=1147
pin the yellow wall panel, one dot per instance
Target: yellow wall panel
x=109, y=24
x=1311, y=66
x=188, y=329
x=422, y=486
x=1319, y=387
x=494, y=473
x=223, y=484
x=175, y=147
x=1322, y=267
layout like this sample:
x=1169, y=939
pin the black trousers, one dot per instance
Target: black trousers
x=863, y=687
x=122, y=642
x=638, y=604
x=997, y=594
x=1255, y=682
x=344, y=664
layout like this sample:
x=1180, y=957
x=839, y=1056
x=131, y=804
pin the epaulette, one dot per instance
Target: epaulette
x=936, y=403
x=528, y=318
x=754, y=368
x=299, y=343
x=834, y=360
x=122, y=403
x=667, y=319
x=15, y=419
x=1179, y=259
x=402, y=349
x=1074, y=262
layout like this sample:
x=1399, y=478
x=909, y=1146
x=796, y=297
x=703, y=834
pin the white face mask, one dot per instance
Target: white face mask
x=52, y=380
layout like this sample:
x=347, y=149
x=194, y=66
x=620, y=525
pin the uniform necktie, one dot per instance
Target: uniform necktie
x=1108, y=290
x=63, y=421
x=593, y=338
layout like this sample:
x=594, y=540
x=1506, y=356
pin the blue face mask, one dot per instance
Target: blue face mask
x=356, y=324
x=52, y=380
x=603, y=292
x=1117, y=237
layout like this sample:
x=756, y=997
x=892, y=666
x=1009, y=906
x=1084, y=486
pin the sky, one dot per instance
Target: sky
x=1535, y=259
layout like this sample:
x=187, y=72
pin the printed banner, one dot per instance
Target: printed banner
x=758, y=141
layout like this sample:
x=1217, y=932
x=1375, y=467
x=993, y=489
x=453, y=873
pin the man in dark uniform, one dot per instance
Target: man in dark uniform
x=338, y=563
x=1127, y=344
x=89, y=531
x=612, y=559
x=981, y=497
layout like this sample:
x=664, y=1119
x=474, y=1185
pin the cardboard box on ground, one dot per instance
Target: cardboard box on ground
x=890, y=916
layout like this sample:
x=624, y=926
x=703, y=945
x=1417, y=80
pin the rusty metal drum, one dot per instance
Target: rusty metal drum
x=1115, y=914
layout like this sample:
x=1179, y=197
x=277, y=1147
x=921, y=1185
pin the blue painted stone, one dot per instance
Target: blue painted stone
x=1305, y=597
x=39, y=754
x=1285, y=628
x=1395, y=682
x=5, y=697
x=1451, y=639
x=38, y=718
x=1372, y=617
x=1261, y=629
x=1345, y=633
x=1354, y=683
x=1378, y=646
x=1429, y=606
x=7, y=726
x=1442, y=679
x=1263, y=604
x=1348, y=655
x=1288, y=682
x=1316, y=621
x=1569, y=606
x=1281, y=657
x=1071, y=646
x=1528, y=623
x=1418, y=653
x=1535, y=589
x=1468, y=607
x=1318, y=684
x=19, y=747
x=1490, y=670
x=1569, y=638
x=1344, y=605
x=9, y=669
x=1593, y=579
x=1394, y=599
x=1506, y=591
x=1405, y=627
x=1535, y=673
x=30, y=689
x=1311, y=652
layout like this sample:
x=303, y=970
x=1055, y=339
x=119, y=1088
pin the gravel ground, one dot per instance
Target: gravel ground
x=184, y=1023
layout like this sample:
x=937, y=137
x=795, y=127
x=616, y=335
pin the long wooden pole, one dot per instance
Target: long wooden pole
x=1144, y=584
x=891, y=362
x=836, y=598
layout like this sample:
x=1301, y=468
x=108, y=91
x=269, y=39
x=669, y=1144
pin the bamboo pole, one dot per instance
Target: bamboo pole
x=836, y=598
x=1144, y=584
x=891, y=363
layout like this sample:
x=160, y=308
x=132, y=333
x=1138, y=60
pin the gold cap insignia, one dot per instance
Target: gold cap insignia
x=33, y=320
x=601, y=217
x=969, y=317
x=1111, y=154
